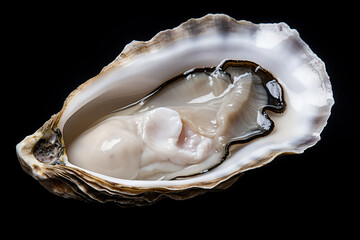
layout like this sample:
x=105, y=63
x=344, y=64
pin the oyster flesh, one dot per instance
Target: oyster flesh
x=185, y=112
x=184, y=127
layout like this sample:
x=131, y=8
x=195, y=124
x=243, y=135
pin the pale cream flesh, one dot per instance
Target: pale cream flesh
x=179, y=130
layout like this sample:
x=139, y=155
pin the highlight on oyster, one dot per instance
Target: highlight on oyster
x=188, y=111
x=183, y=128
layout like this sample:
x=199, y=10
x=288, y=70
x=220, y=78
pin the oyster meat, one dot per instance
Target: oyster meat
x=184, y=127
x=188, y=111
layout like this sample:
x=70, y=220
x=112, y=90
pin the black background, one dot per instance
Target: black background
x=51, y=49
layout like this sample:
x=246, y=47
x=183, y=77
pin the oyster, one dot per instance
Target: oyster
x=187, y=111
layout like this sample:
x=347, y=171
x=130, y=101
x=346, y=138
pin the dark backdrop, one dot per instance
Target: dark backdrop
x=51, y=49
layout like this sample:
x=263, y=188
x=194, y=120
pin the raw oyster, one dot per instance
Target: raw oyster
x=220, y=121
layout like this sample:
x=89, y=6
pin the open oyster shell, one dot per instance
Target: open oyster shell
x=144, y=66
